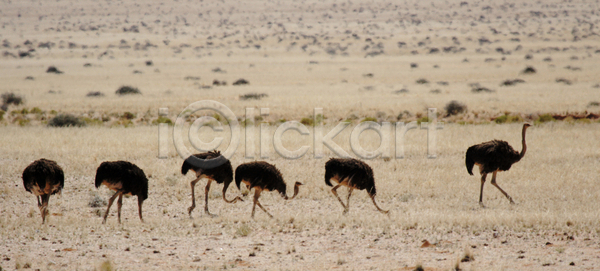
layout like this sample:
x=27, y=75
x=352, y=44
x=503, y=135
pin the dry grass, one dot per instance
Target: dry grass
x=554, y=189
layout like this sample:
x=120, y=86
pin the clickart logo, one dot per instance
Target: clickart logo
x=391, y=135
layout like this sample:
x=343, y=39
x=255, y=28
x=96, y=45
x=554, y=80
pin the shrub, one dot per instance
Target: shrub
x=94, y=94
x=244, y=230
x=2, y=112
x=423, y=119
x=508, y=119
x=128, y=115
x=162, y=119
x=591, y=104
x=90, y=121
x=307, y=121
x=422, y=81
x=125, y=90
x=564, y=81
x=21, y=120
x=96, y=201
x=454, y=108
x=253, y=96
x=545, y=118
x=476, y=87
x=369, y=119
x=36, y=110
x=65, y=120
x=529, y=70
x=10, y=98
x=53, y=69
x=241, y=81
x=509, y=82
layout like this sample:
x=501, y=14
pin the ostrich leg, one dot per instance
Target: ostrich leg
x=206, y=189
x=256, y=202
x=333, y=190
x=193, y=184
x=481, y=192
x=110, y=202
x=348, y=203
x=119, y=204
x=496, y=185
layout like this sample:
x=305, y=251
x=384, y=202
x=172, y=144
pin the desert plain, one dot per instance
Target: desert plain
x=503, y=63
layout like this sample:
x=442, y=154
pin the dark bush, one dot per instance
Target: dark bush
x=53, y=69
x=149, y=63
x=511, y=82
x=241, y=81
x=128, y=115
x=454, y=108
x=95, y=94
x=219, y=83
x=529, y=70
x=476, y=87
x=307, y=121
x=65, y=120
x=253, y=96
x=564, y=81
x=125, y=90
x=422, y=81
x=10, y=98
x=403, y=90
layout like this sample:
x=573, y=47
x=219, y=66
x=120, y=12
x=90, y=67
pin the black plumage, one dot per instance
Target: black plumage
x=494, y=156
x=352, y=173
x=222, y=174
x=43, y=178
x=262, y=176
x=126, y=179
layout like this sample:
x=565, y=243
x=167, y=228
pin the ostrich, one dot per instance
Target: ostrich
x=43, y=178
x=125, y=178
x=221, y=174
x=494, y=156
x=262, y=176
x=352, y=173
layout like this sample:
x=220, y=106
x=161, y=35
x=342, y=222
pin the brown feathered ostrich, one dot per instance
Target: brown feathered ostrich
x=494, y=156
x=221, y=174
x=126, y=179
x=43, y=178
x=352, y=173
x=262, y=176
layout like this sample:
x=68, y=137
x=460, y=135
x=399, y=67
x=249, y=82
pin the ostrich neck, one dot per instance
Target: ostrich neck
x=524, y=144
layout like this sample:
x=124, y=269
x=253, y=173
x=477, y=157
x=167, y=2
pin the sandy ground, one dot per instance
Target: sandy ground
x=356, y=60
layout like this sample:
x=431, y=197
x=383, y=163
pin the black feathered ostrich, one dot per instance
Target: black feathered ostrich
x=494, y=156
x=126, y=179
x=221, y=174
x=262, y=176
x=352, y=173
x=43, y=178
